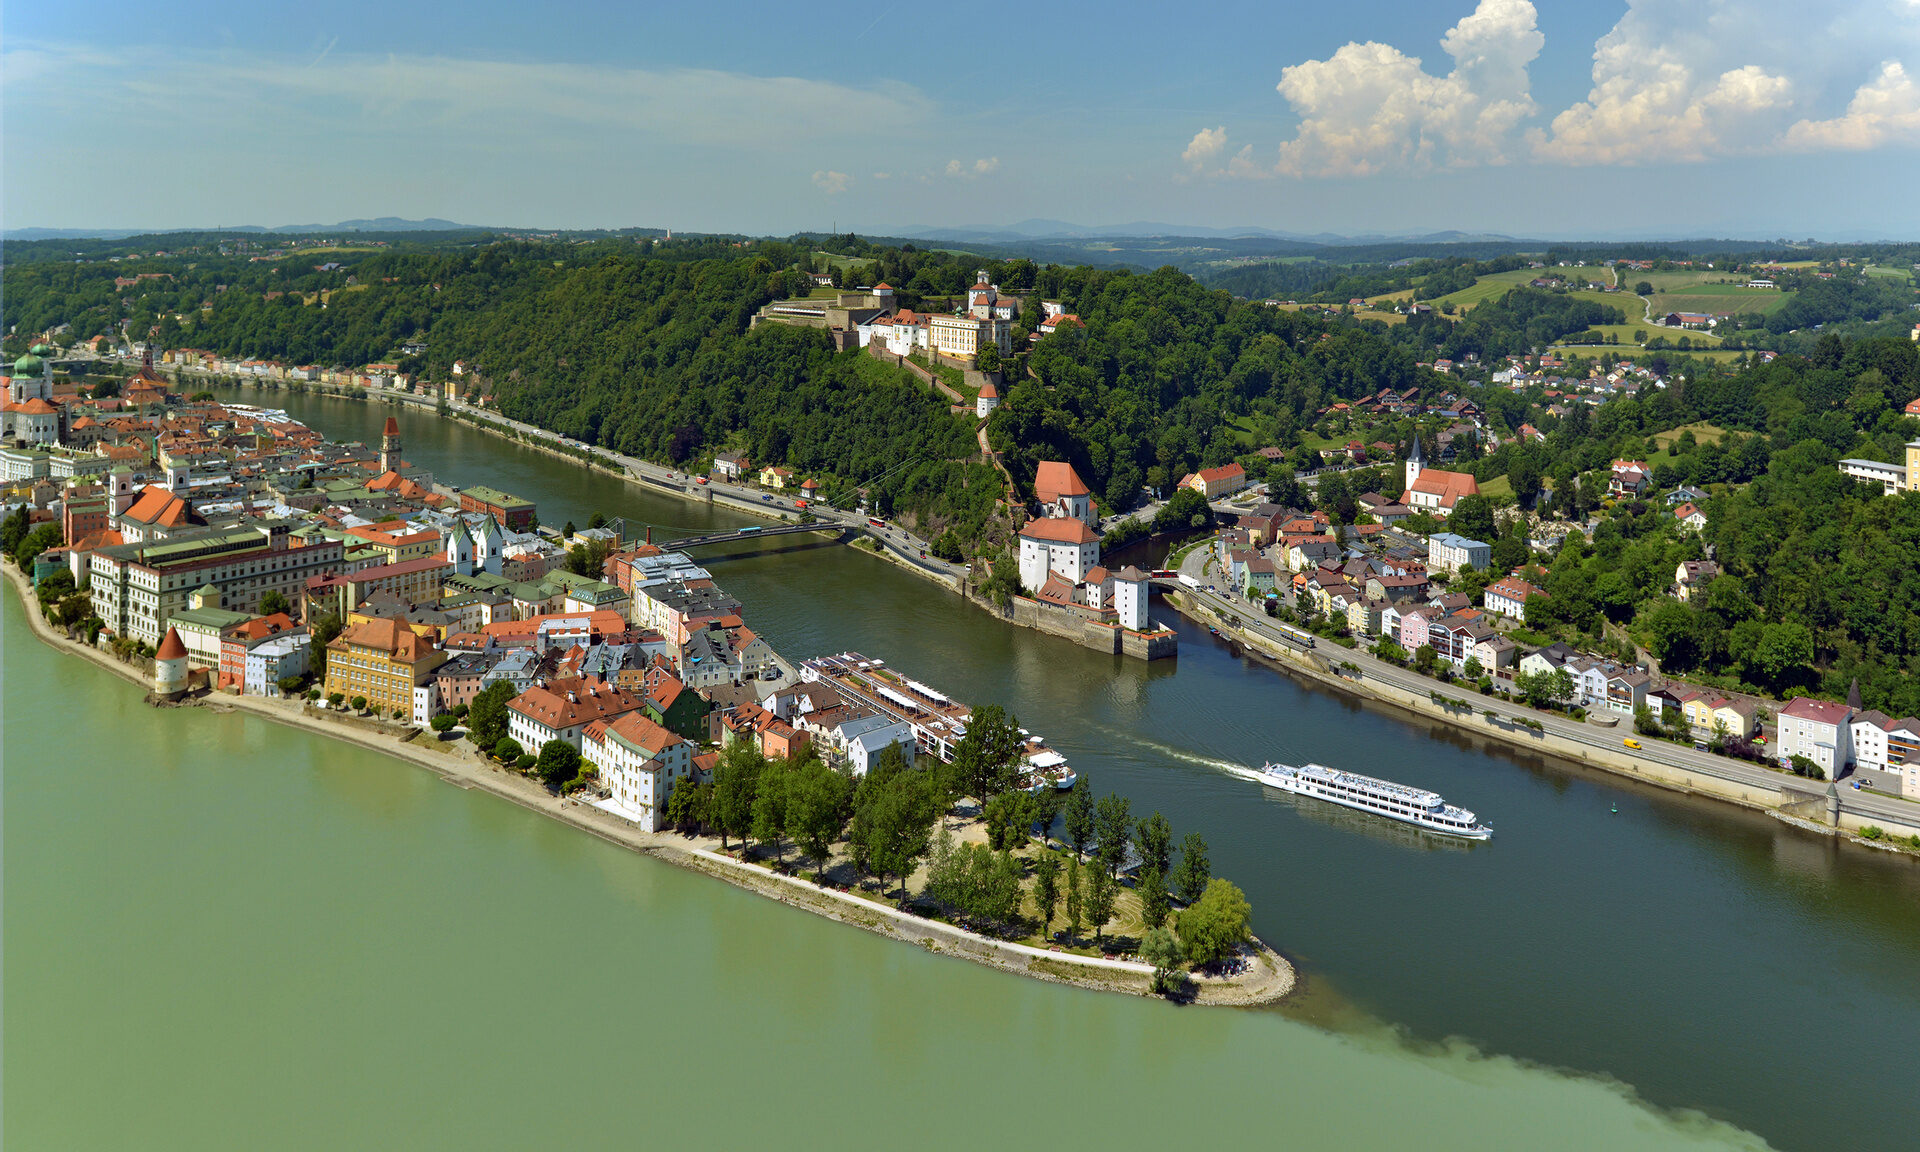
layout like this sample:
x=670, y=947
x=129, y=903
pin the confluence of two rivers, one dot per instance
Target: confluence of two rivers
x=221, y=931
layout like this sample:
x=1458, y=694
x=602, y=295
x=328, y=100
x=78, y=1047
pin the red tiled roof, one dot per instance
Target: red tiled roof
x=171, y=648
x=1059, y=530
x=1056, y=478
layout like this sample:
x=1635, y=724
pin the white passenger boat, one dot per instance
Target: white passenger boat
x=1414, y=806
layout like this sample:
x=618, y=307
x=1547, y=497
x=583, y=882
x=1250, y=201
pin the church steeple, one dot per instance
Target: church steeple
x=390, y=446
x=1415, y=462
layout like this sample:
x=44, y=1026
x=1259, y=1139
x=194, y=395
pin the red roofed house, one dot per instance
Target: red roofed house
x=1820, y=730
x=562, y=709
x=1630, y=478
x=1212, y=482
x=1508, y=597
x=639, y=763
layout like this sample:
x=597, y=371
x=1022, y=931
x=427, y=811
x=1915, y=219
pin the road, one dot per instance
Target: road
x=1866, y=805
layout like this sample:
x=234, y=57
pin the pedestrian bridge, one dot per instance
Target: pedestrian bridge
x=754, y=532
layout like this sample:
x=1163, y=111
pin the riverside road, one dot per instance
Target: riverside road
x=1868, y=805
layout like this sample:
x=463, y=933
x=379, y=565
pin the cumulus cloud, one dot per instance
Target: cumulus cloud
x=1371, y=108
x=832, y=183
x=979, y=168
x=1885, y=110
x=1207, y=144
x=1681, y=80
x=1674, y=81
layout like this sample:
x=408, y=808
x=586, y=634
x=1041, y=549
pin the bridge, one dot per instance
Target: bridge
x=752, y=533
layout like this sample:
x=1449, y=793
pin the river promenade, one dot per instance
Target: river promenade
x=1265, y=976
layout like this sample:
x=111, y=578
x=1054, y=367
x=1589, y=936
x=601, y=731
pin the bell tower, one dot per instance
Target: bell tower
x=390, y=446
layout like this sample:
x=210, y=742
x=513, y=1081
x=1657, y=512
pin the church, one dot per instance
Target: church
x=30, y=416
x=1434, y=490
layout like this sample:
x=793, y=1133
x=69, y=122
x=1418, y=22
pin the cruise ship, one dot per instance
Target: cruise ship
x=1414, y=806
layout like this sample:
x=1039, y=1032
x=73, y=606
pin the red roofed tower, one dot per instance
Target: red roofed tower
x=390, y=446
x=170, y=665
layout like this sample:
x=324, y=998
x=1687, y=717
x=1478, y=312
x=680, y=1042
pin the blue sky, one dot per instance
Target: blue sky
x=1536, y=117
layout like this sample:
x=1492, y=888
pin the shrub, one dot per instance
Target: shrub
x=507, y=750
x=1873, y=832
x=525, y=763
x=442, y=722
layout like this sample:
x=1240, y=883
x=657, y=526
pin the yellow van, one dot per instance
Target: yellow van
x=1631, y=742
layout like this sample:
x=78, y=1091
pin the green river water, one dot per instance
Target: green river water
x=224, y=933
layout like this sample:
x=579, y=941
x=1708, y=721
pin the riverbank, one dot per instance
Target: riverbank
x=1267, y=976
x=1788, y=799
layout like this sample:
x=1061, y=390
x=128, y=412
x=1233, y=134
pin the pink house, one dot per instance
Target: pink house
x=1414, y=629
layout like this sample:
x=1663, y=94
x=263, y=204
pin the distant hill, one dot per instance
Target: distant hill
x=377, y=224
x=1063, y=230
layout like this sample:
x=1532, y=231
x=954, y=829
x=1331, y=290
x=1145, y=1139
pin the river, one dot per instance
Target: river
x=254, y=920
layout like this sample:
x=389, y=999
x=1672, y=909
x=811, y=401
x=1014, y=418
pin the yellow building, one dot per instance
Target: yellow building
x=382, y=660
x=962, y=337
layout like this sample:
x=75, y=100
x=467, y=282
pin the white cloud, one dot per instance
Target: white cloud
x=1885, y=110
x=1686, y=81
x=832, y=183
x=492, y=99
x=1371, y=108
x=979, y=168
x=1207, y=144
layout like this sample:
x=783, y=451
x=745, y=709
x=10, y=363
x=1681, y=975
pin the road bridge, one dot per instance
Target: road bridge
x=752, y=533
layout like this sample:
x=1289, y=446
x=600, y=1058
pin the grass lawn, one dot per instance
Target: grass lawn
x=1372, y=314
x=1497, y=487
x=1500, y=283
x=1887, y=270
x=1721, y=299
x=1702, y=431
x=1243, y=431
x=1616, y=351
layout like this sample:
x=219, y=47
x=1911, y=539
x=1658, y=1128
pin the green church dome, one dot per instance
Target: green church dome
x=29, y=365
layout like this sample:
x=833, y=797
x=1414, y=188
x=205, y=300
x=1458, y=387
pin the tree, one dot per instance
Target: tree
x=986, y=756
x=1472, y=668
x=274, y=602
x=819, y=803
x=507, y=750
x=558, y=764
x=1113, y=824
x=1100, y=894
x=288, y=685
x=1185, y=511
x=1046, y=889
x=1074, y=907
x=1524, y=476
x=1151, y=885
x=335, y=699
x=1216, y=923
x=1046, y=812
x=487, y=716
x=1472, y=517
x=359, y=703
x=1643, y=288
x=1077, y=813
x=770, y=807
x=1154, y=838
x=688, y=805
x=443, y=722
x=1009, y=816
x=736, y=780
x=1159, y=948
x=1190, y=879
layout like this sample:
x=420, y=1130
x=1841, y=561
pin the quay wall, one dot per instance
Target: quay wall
x=1097, y=635
x=1316, y=666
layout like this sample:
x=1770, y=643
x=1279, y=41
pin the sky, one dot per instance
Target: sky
x=1538, y=118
